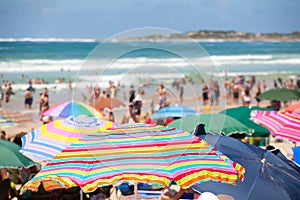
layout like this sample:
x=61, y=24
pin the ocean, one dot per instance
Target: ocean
x=87, y=61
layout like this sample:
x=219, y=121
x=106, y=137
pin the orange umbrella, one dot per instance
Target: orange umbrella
x=110, y=103
x=294, y=108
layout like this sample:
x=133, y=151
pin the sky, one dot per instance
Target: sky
x=101, y=19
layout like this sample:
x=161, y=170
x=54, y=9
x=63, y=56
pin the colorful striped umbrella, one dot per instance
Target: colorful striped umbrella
x=72, y=108
x=46, y=142
x=174, y=111
x=156, y=155
x=281, y=124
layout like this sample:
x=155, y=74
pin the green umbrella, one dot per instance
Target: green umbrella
x=10, y=157
x=280, y=94
x=242, y=114
x=215, y=123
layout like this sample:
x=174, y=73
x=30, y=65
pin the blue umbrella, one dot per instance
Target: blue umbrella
x=174, y=111
x=267, y=176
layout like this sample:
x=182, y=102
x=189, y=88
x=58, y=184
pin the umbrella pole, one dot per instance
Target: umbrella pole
x=81, y=194
x=135, y=191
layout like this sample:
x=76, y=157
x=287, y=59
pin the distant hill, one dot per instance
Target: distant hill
x=223, y=35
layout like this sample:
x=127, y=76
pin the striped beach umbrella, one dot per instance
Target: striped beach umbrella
x=281, y=124
x=174, y=111
x=72, y=108
x=50, y=139
x=156, y=155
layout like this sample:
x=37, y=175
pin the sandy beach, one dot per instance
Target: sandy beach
x=191, y=98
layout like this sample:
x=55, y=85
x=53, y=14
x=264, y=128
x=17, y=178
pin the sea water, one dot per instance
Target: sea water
x=87, y=63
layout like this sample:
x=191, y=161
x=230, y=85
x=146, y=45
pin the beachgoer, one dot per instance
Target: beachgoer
x=131, y=94
x=180, y=90
x=3, y=135
x=30, y=88
x=228, y=91
x=45, y=105
x=205, y=92
x=28, y=98
x=265, y=86
x=216, y=90
x=8, y=92
x=137, y=107
x=40, y=102
x=111, y=116
x=130, y=116
x=236, y=91
x=46, y=92
x=70, y=85
x=162, y=95
x=246, y=98
x=7, y=187
x=258, y=92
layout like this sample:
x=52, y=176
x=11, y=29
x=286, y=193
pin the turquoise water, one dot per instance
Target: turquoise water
x=45, y=59
x=88, y=64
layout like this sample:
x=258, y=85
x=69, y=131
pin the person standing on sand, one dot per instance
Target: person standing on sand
x=246, y=98
x=162, y=95
x=181, y=90
x=236, y=91
x=258, y=92
x=8, y=92
x=45, y=105
x=131, y=94
x=40, y=102
x=228, y=91
x=28, y=98
x=205, y=92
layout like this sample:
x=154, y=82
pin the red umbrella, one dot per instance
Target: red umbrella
x=294, y=108
x=110, y=103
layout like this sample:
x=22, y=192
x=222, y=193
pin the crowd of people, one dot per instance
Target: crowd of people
x=242, y=90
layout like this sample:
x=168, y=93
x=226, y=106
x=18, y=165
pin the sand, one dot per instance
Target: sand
x=192, y=98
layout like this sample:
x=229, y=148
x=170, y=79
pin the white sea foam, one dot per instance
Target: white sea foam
x=144, y=62
x=28, y=39
x=264, y=73
x=40, y=65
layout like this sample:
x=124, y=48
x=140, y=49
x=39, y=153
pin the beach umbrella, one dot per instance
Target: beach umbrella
x=280, y=124
x=242, y=114
x=294, y=108
x=72, y=108
x=10, y=157
x=216, y=123
x=47, y=141
x=108, y=103
x=267, y=176
x=174, y=111
x=157, y=155
x=280, y=94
